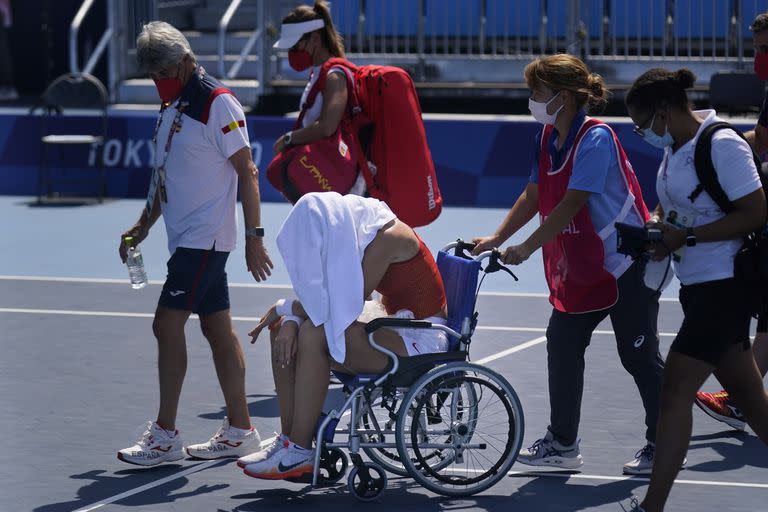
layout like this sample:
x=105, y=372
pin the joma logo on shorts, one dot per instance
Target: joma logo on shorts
x=315, y=172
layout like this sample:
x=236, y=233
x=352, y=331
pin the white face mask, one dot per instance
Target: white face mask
x=539, y=110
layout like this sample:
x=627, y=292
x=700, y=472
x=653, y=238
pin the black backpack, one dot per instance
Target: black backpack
x=751, y=263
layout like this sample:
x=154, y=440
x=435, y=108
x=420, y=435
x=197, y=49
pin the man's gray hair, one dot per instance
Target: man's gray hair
x=160, y=45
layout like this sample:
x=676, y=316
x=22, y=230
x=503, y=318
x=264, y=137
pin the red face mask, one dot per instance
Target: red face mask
x=761, y=66
x=169, y=88
x=299, y=60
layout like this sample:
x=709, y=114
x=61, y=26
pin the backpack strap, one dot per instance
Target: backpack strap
x=319, y=86
x=705, y=169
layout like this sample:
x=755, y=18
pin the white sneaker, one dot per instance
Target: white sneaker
x=290, y=462
x=642, y=464
x=154, y=446
x=278, y=443
x=226, y=442
x=548, y=452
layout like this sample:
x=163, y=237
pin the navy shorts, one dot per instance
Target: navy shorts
x=196, y=281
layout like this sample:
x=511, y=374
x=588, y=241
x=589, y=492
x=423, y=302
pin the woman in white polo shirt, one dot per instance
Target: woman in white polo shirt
x=714, y=335
x=308, y=33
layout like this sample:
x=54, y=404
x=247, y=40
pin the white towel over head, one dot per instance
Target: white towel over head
x=322, y=242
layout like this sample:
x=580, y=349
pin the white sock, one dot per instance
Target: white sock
x=240, y=431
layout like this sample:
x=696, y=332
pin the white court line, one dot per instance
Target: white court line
x=251, y=319
x=248, y=285
x=516, y=348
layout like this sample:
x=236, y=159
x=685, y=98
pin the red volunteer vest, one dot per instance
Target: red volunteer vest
x=574, y=261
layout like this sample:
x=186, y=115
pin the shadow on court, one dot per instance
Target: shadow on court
x=104, y=484
x=746, y=451
x=575, y=496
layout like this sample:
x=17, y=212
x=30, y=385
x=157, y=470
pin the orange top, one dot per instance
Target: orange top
x=415, y=285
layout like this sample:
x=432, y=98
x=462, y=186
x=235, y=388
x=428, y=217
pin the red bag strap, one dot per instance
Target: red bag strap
x=353, y=103
x=319, y=86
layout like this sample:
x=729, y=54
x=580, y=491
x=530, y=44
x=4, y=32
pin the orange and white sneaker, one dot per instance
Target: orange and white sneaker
x=228, y=441
x=720, y=407
x=278, y=443
x=156, y=445
x=291, y=462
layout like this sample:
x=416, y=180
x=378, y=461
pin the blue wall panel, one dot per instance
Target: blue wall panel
x=479, y=163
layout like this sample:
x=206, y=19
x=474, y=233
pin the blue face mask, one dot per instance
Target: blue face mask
x=658, y=141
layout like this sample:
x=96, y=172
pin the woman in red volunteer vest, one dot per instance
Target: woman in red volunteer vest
x=580, y=185
x=311, y=40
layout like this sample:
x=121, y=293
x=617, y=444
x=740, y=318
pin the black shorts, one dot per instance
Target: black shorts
x=716, y=318
x=196, y=281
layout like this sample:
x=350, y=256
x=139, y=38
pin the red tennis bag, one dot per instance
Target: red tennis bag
x=325, y=165
x=383, y=109
x=405, y=174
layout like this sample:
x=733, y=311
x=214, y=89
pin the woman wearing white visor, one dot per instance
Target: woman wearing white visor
x=311, y=39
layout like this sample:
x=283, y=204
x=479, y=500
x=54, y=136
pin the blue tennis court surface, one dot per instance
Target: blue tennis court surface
x=78, y=379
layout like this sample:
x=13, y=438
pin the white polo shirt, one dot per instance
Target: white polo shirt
x=201, y=182
x=676, y=179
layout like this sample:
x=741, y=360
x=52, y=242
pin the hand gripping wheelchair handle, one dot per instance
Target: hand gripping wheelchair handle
x=494, y=265
x=378, y=323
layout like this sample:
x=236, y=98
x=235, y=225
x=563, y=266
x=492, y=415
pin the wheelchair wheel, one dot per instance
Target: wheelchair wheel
x=367, y=488
x=377, y=417
x=333, y=465
x=470, y=416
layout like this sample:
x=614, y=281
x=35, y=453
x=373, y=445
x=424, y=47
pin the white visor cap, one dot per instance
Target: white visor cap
x=290, y=33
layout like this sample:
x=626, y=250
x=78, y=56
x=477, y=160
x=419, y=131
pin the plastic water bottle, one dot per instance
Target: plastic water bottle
x=135, y=265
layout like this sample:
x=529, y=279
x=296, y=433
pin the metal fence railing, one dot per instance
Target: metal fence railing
x=467, y=40
x=692, y=29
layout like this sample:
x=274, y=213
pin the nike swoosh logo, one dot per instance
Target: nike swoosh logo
x=233, y=445
x=284, y=469
x=160, y=448
x=735, y=410
x=176, y=293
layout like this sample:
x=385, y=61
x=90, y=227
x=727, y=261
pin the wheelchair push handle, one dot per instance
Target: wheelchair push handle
x=459, y=247
x=494, y=265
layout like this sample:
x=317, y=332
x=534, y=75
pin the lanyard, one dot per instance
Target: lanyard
x=158, y=171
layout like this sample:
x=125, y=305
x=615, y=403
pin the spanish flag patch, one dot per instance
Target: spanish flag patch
x=233, y=126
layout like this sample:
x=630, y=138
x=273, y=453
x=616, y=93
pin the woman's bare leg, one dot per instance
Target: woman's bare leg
x=683, y=376
x=740, y=375
x=312, y=368
x=284, y=386
x=361, y=357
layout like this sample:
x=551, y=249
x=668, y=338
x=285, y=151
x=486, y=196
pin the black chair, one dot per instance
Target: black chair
x=736, y=92
x=71, y=91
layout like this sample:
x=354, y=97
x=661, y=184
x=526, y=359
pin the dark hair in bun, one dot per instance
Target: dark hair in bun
x=660, y=87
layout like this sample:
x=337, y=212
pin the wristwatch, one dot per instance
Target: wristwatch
x=287, y=139
x=257, y=232
x=690, y=238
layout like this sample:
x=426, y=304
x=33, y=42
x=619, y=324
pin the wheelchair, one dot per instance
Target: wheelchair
x=453, y=426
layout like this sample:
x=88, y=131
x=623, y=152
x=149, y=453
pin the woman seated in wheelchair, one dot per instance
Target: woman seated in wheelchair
x=338, y=250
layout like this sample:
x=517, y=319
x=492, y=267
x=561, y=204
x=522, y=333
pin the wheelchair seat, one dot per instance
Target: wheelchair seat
x=460, y=277
x=408, y=371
